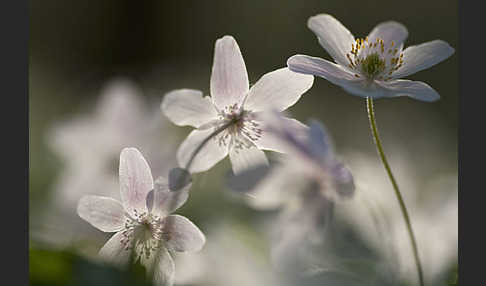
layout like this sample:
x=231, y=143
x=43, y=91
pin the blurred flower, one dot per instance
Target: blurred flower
x=304, y=187
x=89, y=146
x=232, y=107
x=375, y=215
x=141, y=221
x=371, y=67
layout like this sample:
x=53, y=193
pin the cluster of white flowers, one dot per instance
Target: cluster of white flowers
x=242, y=121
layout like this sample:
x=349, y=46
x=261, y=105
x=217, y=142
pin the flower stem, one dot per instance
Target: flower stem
x=374, y=131
x=203, y=143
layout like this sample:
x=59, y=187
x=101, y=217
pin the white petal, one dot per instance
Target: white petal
x=245, y=158
x=414, y=89
x=135, y=180
x=322, y=68
x=336, y=39
x=188, y=107
x=229, y=79
x=106, y=214
x=207, y=157
x=277, y=90
x=166, y=201
x=180, y=234
x=389, y=31
x=160, y=266
x=267, y=141
x=114, y=251
x=420, y=57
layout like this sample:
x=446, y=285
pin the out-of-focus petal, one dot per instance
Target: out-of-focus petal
x=269, y=141
x=278, y=90
x=336, y=39
x=135, y=180
x=420, y=57
x=166, y=201
x=389, y=31
x=106, y=214
x=414, y=89
x=180, y=234
x=229, y=79
x=188, y=107
x=245, y=158
x=322, y=68
x=207, y=157
x=114, y=251
x=160, y=266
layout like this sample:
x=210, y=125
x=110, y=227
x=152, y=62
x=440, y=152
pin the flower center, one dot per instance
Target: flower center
x=243, y=129
x=142, y=233
x=374, y=60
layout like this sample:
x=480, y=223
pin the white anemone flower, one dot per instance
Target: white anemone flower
x=145, y=230
x=233, y=108
x=371, y=67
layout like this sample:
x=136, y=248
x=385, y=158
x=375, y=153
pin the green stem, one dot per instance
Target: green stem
x=376, y=137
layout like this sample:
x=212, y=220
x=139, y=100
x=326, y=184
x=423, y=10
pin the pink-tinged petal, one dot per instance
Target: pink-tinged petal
x=165, y=201
x=389, y=31
x=207, y=157
x=245, y=158
x=180, y=234
x=188, y=107
x=135, y=180
x=333, y=36
x=414, y=89
x=267, y=141
x=423, y=56
x=106, y=214
x=160, y=266
x=322, y=68
x=277, y=90
x=229, y=79
x=114, y=251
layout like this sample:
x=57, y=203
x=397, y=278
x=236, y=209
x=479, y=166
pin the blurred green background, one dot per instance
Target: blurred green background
x=76, y=47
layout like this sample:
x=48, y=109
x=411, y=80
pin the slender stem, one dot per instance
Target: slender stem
x=203, y=143
x=376, y=137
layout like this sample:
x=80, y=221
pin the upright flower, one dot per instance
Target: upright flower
x=371, y=67
x=230, y=114
x=145, y=230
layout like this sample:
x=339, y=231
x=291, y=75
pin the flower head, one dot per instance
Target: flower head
x=233, y=107
x=142, y=221
x=373, y=66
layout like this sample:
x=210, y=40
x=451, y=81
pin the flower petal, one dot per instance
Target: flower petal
x=207, y=157
x=106, y=214
x=229, y=79
x=180, y=234
x=135, y=180
x=277, y=90
x=322, y=68
x=389, y=31
x=160, y=266
x=414, y=89
x=114, y=251
x=188, y=107
x=336, y=39
x=267, y=141
x=245, y=158
x=420, y=57
x=166, y=201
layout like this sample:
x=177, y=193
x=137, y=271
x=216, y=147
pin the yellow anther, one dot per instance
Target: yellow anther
x=392, y=43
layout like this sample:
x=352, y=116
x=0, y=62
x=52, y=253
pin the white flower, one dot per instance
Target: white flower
x=234, y=104
x=371, y=67
x=89, y=145
x=141, y=220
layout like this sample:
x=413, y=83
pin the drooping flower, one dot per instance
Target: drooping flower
x=304, y=186
x=232, y=108
x=145, y=230
x=373, y=66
